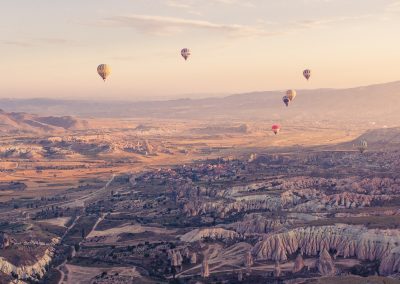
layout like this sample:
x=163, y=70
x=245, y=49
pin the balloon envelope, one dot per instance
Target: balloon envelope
x=307, y=74
x=291, y=94
x=104, y=71
x=286, y=100
x=276, y=128
x=185, y=53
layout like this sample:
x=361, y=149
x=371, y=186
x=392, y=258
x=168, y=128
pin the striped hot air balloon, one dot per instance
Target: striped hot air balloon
x=307, y=74
x=104, y=71
x=291, y=94
x=185, y=53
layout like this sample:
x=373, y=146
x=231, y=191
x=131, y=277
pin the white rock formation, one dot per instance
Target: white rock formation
x=325, y=264
x=30, y=270
x=175, y=257
x=257, y=224
x=213, y=233
x=248, y=262
x=225, y=207
x=298, y=264
x=193, y=258
x=205, y=270
x=348, y=241
x=277, y=269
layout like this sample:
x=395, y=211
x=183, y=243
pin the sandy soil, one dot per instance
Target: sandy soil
x=129, y=229
x=57, y=221
x=84, y=275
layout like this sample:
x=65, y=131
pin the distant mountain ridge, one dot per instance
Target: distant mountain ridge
x=375, y=102
x=20, y=121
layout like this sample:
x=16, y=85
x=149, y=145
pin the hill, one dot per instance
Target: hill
x=375, y=103
x=30, y=123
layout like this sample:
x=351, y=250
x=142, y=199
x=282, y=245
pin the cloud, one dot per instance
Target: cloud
x=178, y=4
x=15, y=43
x=308, y=24
x=393, y=7
x=235, y=2
x=55, y=41
x=161, y=25
x=193, y=6
x=187, y=6
x=36, y=42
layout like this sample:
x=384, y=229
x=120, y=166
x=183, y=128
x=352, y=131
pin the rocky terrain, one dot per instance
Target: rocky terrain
x=32, y=267
x=106, y=207
x=346, y=241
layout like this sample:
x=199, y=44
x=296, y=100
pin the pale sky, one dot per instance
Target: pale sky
x=51, y=48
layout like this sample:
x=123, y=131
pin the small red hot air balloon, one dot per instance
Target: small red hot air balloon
x=276, y=128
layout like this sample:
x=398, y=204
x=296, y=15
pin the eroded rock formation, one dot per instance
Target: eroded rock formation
x=193, y=258
x=325, y=264
x=348, y=241
x=28, y=269
x=175, y=257
x=212, y=233
x=277, y=269
x=205, y=271
x=298, y=264
x=5, y=241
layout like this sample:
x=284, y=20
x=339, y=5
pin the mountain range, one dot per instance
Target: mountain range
x=370, y=103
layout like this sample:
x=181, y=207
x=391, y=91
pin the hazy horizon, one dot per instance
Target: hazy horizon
x=194, y=96
x=52, y=49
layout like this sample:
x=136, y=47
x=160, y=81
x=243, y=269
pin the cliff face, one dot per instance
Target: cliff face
x=30, y=270
x=348, y=241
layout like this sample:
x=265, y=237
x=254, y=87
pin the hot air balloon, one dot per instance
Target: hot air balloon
x=276, y=128
x=291, y=94
x=307, y=74
x=362, y=146
x=286, y=100
x=104, y=71
x=185, y=53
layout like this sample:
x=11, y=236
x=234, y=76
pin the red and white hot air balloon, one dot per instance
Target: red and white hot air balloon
x=307, y=74
x=276, y=128
x=185, y=53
